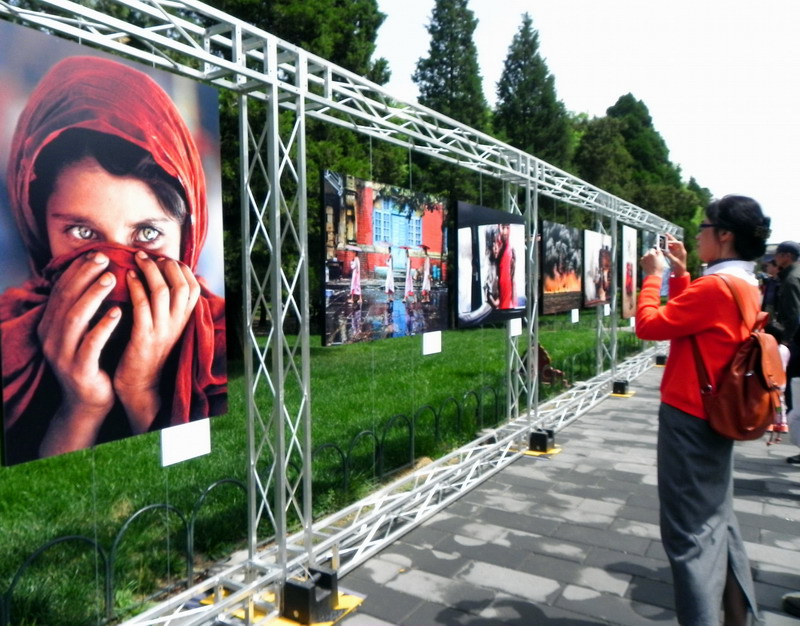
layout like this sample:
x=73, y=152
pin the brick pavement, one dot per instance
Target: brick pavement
x=573, y=538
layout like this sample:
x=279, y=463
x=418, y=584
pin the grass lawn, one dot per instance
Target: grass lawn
x=94, y=493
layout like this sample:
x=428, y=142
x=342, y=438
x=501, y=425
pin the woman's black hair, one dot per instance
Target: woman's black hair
x=116, y=156
x=744, y=218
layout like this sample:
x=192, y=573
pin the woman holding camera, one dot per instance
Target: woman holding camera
x=699, y=529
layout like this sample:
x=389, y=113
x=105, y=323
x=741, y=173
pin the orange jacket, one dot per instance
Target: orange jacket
x=704, y=308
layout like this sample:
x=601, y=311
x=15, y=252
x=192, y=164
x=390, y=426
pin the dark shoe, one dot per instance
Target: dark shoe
x=791, y=603
x=794, y=460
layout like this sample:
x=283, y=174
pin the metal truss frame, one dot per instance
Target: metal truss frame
x=351, y=536
x=519, y=357
x=606, y=339
x=194, y=39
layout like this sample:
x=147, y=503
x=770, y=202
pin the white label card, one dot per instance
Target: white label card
x=185, y=441
x=432, y=342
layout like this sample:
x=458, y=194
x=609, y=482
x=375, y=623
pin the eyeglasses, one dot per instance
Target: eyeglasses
x=710, y=225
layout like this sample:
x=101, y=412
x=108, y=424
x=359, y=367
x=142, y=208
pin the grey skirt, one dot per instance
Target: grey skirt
x=699, y=530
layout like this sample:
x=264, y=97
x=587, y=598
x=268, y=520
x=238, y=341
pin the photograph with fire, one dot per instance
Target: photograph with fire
x=562, y=263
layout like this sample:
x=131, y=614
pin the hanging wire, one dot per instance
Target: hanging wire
x=410, y=169
x=408, y=326
x=97, y=574
x=166, y=519
x=373, y=383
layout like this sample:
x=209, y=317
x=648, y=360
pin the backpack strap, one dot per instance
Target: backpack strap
x=702, y=375
x=761, y=316
x=761, y=319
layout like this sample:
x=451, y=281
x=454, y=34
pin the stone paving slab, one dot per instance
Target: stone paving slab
x=573, y=538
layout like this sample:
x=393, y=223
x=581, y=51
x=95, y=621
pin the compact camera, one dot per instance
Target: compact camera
x=662, y=243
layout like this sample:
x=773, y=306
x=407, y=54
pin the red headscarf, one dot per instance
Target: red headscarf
x=108, y=97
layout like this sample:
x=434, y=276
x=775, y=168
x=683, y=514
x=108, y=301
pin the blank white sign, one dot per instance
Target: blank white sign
x=185, y=441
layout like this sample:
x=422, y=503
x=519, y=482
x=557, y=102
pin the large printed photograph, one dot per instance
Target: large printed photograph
x=112, y=316
x=562, y=267
x=629, y=272
x=491, y=265
x=597, y=268
x=385, y=260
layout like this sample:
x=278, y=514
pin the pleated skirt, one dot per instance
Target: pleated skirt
x=699, y=529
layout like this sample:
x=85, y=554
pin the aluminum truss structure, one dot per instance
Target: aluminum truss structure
x=195, y=40
x=354, y=534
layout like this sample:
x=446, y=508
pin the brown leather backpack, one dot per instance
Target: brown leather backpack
x=749, y=389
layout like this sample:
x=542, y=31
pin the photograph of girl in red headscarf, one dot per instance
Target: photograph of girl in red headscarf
x=113, y=332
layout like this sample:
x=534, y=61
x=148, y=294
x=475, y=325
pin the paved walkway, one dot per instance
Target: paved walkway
x=573, y=538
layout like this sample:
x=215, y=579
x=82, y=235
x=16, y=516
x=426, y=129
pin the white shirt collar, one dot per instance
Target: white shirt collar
x=734, y=267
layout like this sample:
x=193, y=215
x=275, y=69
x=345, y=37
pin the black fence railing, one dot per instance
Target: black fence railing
x=108, y=557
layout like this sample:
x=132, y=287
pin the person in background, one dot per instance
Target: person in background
x=506, y=266
x=389, y=284
x=426, y=277
x=491, y=287
x=699, y=529
x=787, y=314
x=780, y=425
x=769, y=287
x=355, y=280
x=408, y=285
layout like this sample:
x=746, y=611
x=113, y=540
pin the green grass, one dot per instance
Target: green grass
x=354, y=389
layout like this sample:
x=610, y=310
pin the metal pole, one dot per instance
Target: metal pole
x=534, y=247
x=277, y=339
x=614, y=285
x=247, y=316
x=305, y=340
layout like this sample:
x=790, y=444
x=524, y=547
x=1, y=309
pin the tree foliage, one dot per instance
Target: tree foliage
x=644, y=143
x=602, y=158
x=449, y=77
x=449, y=82
x=624, y=154
x=528, y=112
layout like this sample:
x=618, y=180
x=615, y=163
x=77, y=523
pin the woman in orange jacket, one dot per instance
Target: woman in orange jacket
x=699, y=529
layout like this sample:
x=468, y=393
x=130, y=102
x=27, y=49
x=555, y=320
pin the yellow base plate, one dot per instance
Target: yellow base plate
x=554, y=450
x=346, y=604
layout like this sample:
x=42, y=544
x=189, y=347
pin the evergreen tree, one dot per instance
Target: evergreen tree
x=449, y=82
x=645, y=144
x=602, y=157
x=528, y=112
x=449, y=78
x=656, y=183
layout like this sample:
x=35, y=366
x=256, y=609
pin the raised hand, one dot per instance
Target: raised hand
x=72, y=348
x=162, y=303
x=676, y=253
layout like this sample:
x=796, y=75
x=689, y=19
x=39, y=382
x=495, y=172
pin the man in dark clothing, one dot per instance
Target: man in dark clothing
x=787, y=312
x=769, y=286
